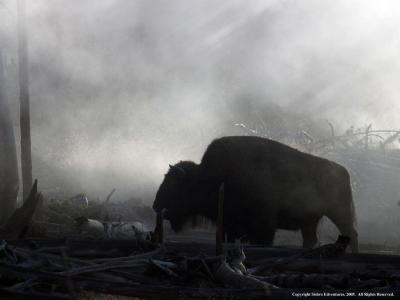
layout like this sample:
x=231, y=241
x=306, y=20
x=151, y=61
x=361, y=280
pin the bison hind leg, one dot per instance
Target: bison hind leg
x=344, y=219
x=309, y=233
x=347, y=228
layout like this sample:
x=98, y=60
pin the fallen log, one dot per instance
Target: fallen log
x=326, y=251
x=131, y=257
x=255, y=255
x=105, y=267
x=223, y=273
x=15, y=294
x=320, y=281
x=327, y=267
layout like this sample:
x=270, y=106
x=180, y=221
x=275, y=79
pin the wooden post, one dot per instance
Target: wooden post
x=25, y=121
x=220, y=221
x=158, y=235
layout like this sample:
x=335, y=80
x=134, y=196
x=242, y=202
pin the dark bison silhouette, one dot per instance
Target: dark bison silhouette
x=268, y=186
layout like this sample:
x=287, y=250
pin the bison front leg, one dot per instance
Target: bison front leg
x=309, y=233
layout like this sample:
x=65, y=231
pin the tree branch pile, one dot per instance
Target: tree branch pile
x=64, y=269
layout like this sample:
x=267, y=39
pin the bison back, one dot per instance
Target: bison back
x=264, y=175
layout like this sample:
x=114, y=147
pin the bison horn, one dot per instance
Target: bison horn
x=178, y=170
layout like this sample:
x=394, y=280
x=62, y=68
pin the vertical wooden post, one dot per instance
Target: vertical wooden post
x=25, y=120
x=158, y=236
x=220, y=221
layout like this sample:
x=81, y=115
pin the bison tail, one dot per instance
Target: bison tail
x=353, y=212
x=349, y=197
x=352, y=231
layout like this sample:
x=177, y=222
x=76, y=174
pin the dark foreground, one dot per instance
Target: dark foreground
x=182, y=269
x=62, y=269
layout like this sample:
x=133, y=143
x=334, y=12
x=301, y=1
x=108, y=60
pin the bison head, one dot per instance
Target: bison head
x=173, y=193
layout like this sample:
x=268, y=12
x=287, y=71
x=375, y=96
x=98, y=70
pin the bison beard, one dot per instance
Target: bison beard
x=268, y=186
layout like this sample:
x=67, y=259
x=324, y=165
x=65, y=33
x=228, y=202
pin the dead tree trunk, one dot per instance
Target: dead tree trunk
x=8, y=155
x=25, y=122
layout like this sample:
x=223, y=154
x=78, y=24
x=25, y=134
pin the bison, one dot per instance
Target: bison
x=268, y=186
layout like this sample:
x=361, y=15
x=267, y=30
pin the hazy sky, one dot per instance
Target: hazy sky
x=120, y=89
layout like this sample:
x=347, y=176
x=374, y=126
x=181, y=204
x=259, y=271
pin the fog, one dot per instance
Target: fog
x=120, y=89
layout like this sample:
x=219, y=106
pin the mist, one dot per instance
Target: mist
x=120, y=89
